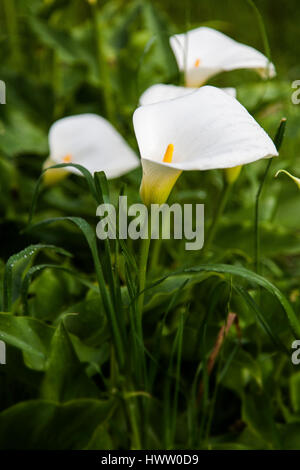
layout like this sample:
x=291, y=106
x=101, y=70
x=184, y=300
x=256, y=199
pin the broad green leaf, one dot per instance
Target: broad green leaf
x=242, y=369
x=258, y=414
x=43, y=424
x=65, y=378
x=32, y=336
x=50, y=291
x=89, y=322
x=246, y=440
x=20, y=135
x=101, y=440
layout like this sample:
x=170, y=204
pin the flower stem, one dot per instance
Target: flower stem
x=134, y=422
x=13, y=30
x=220, y=209
x=131, y=409
x=256, y=219
x=277, y=141
x=155, y=252
x=144, y=253
x=102, y=64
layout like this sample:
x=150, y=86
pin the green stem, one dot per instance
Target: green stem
x=56, y=84
x=130, y=409
x=262, y=29
x=155, y=251
x=102, y=64
x=256, y=218
x=132, y=413
x=142, y=274
x=13, y=30
x=277, y=141
x=144, y=253
x=220, y=209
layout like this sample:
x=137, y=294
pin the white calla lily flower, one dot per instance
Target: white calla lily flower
x=161, y=92
x=204, y=52
x=91, y=141
x=203, y=130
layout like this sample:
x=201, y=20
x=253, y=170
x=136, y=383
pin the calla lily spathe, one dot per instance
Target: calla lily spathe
x=161, y=92
x=91, y=141
x=203, y=130
x=204, y=52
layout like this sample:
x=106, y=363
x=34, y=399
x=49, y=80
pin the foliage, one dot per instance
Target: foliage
x=79, y=358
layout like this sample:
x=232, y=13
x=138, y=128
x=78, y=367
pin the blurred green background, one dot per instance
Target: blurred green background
x=64, y=57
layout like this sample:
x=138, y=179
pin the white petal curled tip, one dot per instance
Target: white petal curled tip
x=204, y=52
x=207, y=129
x=91, y=141
x=163, y=92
